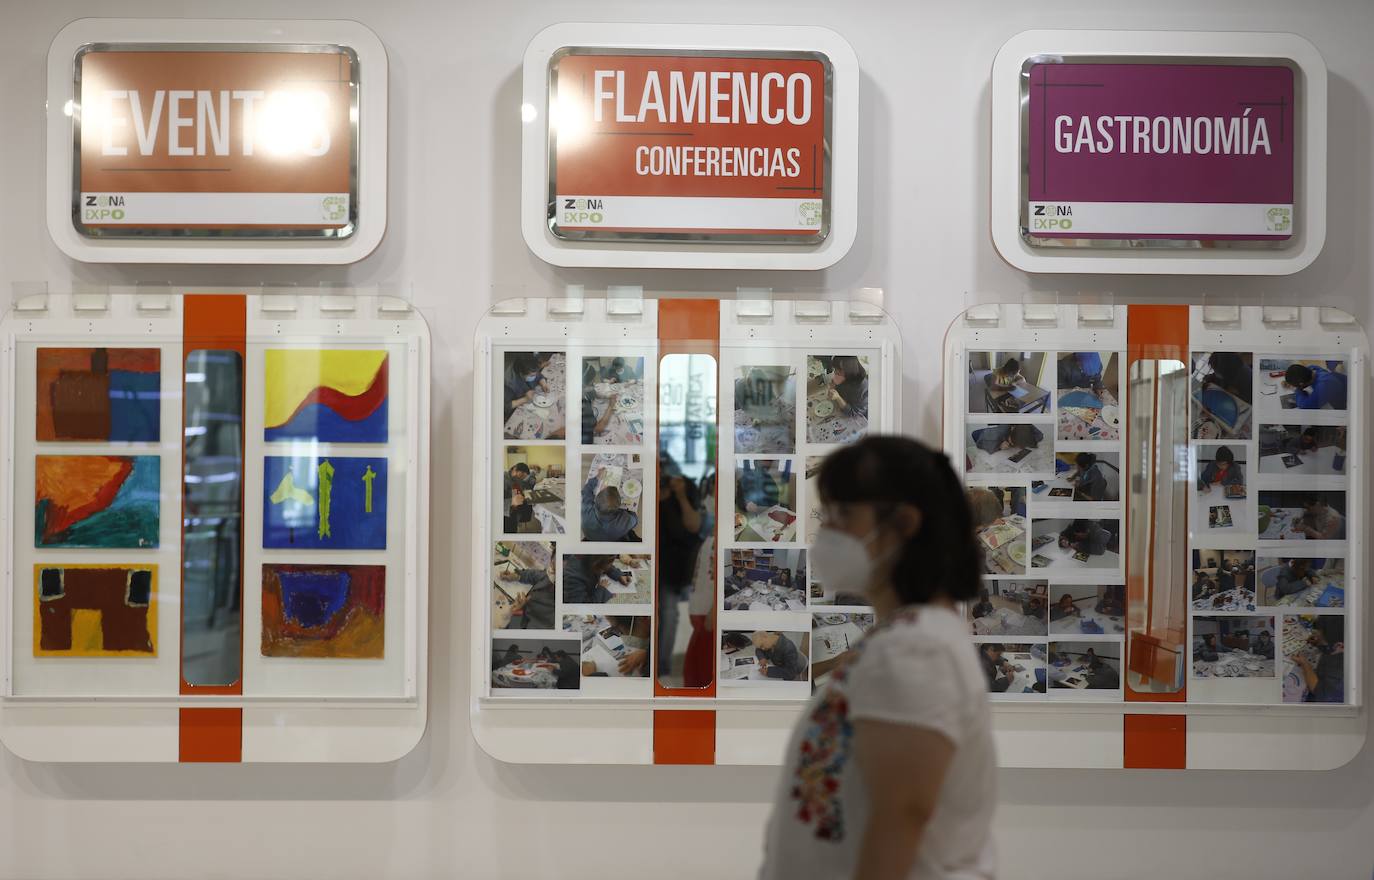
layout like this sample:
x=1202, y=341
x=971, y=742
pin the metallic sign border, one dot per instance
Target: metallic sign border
x=716, y=238
x=175, y=233
x=1299, y=116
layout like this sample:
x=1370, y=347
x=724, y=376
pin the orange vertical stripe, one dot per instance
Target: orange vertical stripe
x=211, y=736
x=218, y=321
x=684, y=736
x=1155, y=742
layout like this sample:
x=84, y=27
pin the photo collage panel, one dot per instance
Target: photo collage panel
x=1043, y=466
x=572, y=583
x=1268, y=515
x=790, y=408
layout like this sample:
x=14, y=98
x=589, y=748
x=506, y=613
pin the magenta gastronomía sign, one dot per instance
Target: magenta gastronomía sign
x=1200, y=152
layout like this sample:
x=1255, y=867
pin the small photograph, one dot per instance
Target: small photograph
x=536, y=662
x=534, y=489
x=1082, y=476
x=607, y=579
x=1233, y=647
x=1223, y=384
x=833, y=635
x=765, y=501
x=1075, y=544
x=1009, y=449
x=1013, y=668
x=612, y=496
x=1302, y=516
x=1305, y=450
x=1301, y=583
x=612, y=401
x=1089, y=396
x=765, y=579
x=1314, y=658
x=999, y=518
x=1223, y=580
x=813, y=496
x=612, y=647
x=535, y=393
x=1223, y=501
x=1008, y=382
x=1082, y=609
x=1085, y=665
x=1314, y=383
x=837, y=389
x=522, y=577
x=1011, y=608
x=766, y=410
x=764, y=655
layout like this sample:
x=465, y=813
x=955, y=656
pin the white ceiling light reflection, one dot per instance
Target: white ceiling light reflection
x=294, y=122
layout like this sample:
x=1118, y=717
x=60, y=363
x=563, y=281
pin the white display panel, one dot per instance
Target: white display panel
x=1214, y=257
x=1243, y=709
x=687, y=38
x=337, y=685
x=368, y=170
x=612, y=719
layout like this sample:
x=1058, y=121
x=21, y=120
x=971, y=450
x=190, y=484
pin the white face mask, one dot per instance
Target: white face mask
x=842, y=562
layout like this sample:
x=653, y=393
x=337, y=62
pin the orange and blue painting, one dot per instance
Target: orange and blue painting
x=95, y=501
x=334, y=395
x=323, y=610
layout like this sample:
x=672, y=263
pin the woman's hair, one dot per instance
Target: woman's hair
x=942, y=559
x=852, y=368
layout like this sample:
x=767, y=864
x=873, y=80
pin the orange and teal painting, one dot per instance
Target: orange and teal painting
x=88, y=501
x=333, y=395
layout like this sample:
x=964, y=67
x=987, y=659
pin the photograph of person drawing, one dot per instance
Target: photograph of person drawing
x=1223, y=385
x=1088, y=396
x=1301, y=582
x=1314, y=658
x=1082, y=476
x=1307, y=450
x=1009, y=449
x=1302, y=383
x=1007, y=382
x=1085, y=665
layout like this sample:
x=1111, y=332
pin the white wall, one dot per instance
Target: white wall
x=447, y=810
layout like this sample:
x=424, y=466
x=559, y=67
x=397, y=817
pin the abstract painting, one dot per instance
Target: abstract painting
x=324, y=503
x=84, y=501
x=323, y=610
x=95, y=611
x=337, y=396
x=109, y=394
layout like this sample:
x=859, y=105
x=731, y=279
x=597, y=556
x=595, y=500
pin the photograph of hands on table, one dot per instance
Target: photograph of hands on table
x=607, y=579
x=612, y=494
x=535, y=389
x=522, y=587
x=833, y=635
x=1075, y=544
x=1082, y=476
x=612, y=647
x=613, y=401
x=765, y=580
x=1222, y=499
x=1306, y=383
x=751, y=656
x=1088, y=610
x=1314, y=658
x=1013, y=668
x=765, y=501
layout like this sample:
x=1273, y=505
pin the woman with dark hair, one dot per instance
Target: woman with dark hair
x=891, y=772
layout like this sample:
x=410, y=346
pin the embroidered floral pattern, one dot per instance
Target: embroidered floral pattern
x=825, y=749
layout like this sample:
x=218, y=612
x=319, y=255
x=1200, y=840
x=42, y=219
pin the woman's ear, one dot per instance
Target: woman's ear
x=907, y=519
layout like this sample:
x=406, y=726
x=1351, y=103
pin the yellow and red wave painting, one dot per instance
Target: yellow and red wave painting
x=335, y=395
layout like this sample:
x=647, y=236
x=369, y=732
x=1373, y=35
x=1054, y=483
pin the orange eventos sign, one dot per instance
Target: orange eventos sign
x=702, y=146
x=255, y=143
